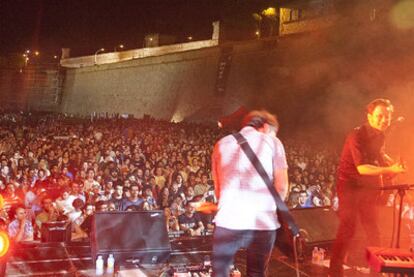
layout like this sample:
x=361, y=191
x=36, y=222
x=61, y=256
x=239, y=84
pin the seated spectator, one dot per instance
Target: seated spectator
x=171, y=220
x=155, y=189
x=76, y=217
x=188, y=194
x=175, y=192
x=160, y=179
x=193, y=166
x=77, y=191
x=117, y=197
x=90, y=181
x=202, y=187
x=149, y=199
x=111, y=206
x=49, y=213
x=65, y=202
x=303, y=200
x=190, y=221
x=28, y=195
x=86, y=226
x=164, y=198
x=20, y=229
x=76, y=213
x=10, y=197
x=134, y=199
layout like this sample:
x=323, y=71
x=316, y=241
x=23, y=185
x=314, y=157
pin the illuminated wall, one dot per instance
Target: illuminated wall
x=172, y=87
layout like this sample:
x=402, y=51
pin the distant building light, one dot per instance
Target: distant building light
x=37, y=53
x=269, y=12
x=55, y=57
x=190, y=38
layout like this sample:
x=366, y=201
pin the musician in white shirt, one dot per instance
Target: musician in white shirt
x=246, y=216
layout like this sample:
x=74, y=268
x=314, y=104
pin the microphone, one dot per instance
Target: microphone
x=394, y=123
x=399, y=119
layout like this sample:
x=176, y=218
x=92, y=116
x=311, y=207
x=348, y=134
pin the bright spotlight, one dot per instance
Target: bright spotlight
x=4, y=243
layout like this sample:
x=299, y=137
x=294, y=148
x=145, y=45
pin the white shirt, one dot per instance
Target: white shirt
x=245, y=201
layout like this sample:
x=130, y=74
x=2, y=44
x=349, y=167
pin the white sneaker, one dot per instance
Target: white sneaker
x=363, y=270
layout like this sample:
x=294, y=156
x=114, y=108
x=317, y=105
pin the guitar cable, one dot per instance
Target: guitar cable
x=296, y=265
x=295, y=254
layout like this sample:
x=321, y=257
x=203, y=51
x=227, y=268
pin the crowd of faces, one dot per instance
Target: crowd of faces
x=56, y=167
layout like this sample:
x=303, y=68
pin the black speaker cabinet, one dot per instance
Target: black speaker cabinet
x=317, y=225
x=141, y=237
x=56, y=231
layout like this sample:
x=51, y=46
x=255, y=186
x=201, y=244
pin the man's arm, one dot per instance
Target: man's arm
x=280, y=170
x=368, y=169
x=281, y=182
x=214, y=171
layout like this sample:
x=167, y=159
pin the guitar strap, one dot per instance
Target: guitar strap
x=281, y=206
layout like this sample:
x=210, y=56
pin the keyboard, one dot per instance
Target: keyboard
x=390, y=260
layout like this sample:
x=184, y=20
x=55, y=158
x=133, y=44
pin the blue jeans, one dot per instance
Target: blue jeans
x=227, y=242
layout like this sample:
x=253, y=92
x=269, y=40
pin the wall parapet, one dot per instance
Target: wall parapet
x=114, y=57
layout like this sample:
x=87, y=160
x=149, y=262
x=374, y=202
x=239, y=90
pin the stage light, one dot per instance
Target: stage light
x=4, y=243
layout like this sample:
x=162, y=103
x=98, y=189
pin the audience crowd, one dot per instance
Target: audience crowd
x=56, y=167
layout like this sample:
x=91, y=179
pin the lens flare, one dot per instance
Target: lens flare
x=4, y=244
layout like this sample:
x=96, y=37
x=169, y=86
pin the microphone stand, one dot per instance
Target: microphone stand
x=401, y=192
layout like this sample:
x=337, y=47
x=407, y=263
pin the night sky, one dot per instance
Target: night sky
x=87, y=25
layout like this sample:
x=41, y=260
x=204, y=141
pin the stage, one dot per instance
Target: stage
x=74, y=259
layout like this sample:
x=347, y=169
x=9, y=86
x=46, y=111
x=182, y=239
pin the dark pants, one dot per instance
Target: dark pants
x=354, y=204
x=226, y=243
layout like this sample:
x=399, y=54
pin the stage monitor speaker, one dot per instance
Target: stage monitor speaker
x=56, y=231
x=317, y=225
x=140, y=237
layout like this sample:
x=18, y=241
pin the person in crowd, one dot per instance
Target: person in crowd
x=164, y=198
x=86, y=225
x=304, y=201
x=20, y=229
x=160, y=179
x=246, y=208
x=65, y=202
x=76, y=217
x=176, y=191
x=10, y=196
x=76, y=191
x=134, y=199
x=362, y=165
x=49, y=213
x=189, y=194
x=117, y=197
x=190, y=221
x=202, y=187
x=171, y=220
x=90, y=181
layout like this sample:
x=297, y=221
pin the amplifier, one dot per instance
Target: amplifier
x=56, y=231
